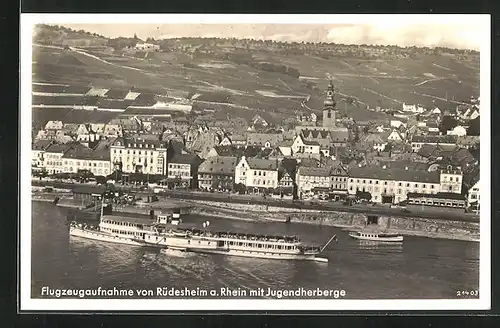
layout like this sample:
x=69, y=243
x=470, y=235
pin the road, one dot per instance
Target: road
x=415, y=211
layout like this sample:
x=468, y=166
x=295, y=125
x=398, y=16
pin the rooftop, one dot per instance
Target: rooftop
x=192, y=159
x=314, y=171
x=218, y=164
x=395, y=174
x=262, y=164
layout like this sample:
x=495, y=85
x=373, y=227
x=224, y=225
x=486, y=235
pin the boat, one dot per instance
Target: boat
x=111, y=228
x=241, y=244
x=377, y=236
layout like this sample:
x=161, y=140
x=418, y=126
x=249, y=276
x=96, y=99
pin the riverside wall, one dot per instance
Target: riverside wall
x=413, y=226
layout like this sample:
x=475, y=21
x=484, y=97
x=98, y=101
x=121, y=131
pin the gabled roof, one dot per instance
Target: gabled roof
x=41, y=144
x=192, y=159
x=218, y=165
x=262, y=164
x=79, y=151
x=314, y=171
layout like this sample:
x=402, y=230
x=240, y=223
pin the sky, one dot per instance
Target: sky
x=453, y=35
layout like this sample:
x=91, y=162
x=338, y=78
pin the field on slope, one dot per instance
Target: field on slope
x=241, y=90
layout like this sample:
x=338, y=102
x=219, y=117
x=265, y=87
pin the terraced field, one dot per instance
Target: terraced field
x=241, y=90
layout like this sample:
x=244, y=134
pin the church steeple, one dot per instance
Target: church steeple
x=330, y=98
x=329, y=109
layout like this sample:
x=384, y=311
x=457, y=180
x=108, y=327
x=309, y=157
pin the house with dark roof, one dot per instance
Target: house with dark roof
x=182, y=171
x=339, y=174
x=217, y=173
x=257, y=174
x=336, y=136
x=286, y=177
x=264, y=140
x=417, y=141
x=81, y=158
x=313, y=180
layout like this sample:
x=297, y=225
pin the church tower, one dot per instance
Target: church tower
x=329, y=109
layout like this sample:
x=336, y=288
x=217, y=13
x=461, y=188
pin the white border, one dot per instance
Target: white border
x=26, y=303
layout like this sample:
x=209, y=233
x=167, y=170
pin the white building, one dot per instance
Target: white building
x=256, y=173
x=312, y=180
x=301, y=146
x=53, y=158
x=79, y=157
x=395, y=136
x=473, y=194
x=418, y=141
x=143, y=154
x=413, y=108
x=147, y=47
x=54, y=125
x=393, y=185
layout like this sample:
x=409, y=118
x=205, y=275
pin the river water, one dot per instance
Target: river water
x=421, y=268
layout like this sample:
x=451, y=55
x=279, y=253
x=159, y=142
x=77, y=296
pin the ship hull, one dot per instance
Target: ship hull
x=102, y=236
x=260, y=255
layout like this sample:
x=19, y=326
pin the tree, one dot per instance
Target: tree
x=240, y=188
x=447, y=123
x=474, y=127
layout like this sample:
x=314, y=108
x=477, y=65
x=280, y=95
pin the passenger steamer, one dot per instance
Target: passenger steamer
x=167, y=232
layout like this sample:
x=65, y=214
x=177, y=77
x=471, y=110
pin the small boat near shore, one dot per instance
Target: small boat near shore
x=376, y=236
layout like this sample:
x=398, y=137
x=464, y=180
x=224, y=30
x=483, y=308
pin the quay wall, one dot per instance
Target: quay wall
x=413, y=226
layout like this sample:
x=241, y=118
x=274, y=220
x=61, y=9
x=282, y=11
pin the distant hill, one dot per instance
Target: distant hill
x=60, y=35
x=255, y=77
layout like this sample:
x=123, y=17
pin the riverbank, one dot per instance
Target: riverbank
x=413, y=226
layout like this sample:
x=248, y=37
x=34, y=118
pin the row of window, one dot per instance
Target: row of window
x=263, y=182
x=126, y=224
x=261, y=245
x=400, y=184
x=179, y=166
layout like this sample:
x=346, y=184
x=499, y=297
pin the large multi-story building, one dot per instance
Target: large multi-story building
x=393, y=185
x=256, y=173
x=79, y=158
x=38, y=154
x=140, y=154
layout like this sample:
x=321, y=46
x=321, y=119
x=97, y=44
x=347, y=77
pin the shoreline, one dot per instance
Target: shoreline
x=344, y=227
x=220, y=212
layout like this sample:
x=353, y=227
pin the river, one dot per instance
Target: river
x=420, y=268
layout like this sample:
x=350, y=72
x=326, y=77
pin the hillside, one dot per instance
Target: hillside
x=243, y=78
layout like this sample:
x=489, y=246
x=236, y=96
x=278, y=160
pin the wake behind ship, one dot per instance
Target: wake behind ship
x=166, y=231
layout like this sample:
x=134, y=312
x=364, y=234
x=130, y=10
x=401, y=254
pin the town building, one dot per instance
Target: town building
x=81, y=158
x=312, y=181
x=147, y=47
x=182, y=171
x=339, y=175
x=217, y=173
x=256, y=174
x=392, y=185
x=53, y=157
x=264, y=140
x=304, y=147
x=441, y=199
x=139, y=154
x=38, y=154
x=54, y=125
x=418, y=141
x=413, y=108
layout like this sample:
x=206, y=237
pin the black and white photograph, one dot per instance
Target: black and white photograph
x=255, y=162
